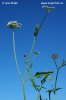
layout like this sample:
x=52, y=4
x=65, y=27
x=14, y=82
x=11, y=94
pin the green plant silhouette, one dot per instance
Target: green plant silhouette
x=42, y=76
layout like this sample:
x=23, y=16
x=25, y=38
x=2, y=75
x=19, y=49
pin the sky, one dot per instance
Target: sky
x=51, y=39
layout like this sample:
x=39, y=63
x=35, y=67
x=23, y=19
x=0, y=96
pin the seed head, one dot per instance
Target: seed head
x=54, y=56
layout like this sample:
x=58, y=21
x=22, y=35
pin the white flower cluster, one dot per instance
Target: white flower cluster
x=48, y=8
x=14, y=25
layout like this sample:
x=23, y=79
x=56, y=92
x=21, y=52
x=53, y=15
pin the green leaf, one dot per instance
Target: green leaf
x=27, y=60
x=43, y=87
x=40, y=74
x=63, y=63
x=50, y=90
x=43, y=80
x=34, y=84
x=58, y=89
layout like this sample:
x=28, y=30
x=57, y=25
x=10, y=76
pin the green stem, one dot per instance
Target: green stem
x=43, y=20
x=38, y=96
x=49, y=95
x=54, y=96
x=55, y=64
x=56, y=80
x=55, y=85
x=22, y=81
x=31, y=51
x=24, y=91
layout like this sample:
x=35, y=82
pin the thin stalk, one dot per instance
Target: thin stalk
x=24, y=91
x=43, y=20
x=55, y=64
x=56, y=79
x=50, y=92
x=54, y=96
x=22, y=81
x=38, y=96
x=31, y=51
x=49, y=95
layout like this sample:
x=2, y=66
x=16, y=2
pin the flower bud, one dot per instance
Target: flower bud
x=36, y=30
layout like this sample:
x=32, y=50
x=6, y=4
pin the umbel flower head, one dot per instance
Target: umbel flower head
x=48, y=8
x=54, y=56
x=14, y=25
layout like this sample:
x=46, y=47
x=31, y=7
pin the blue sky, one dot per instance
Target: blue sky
x=51, y=39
